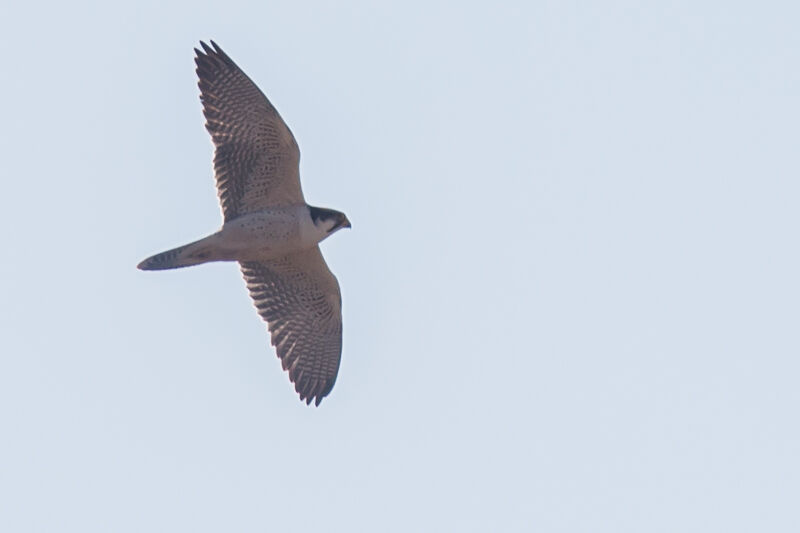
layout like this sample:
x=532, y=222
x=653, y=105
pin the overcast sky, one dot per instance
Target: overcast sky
x=571, y=295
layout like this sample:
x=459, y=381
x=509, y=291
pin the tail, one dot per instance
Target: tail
x=190, y=254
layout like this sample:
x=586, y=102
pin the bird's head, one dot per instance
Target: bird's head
x=328, y=220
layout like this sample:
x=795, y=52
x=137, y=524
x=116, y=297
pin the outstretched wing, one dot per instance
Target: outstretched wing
x=256, y=162
x=299, y=298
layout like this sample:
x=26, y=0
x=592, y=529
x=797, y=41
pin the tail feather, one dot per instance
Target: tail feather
x=182, y=256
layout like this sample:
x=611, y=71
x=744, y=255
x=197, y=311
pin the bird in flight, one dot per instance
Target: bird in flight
x=267, y=226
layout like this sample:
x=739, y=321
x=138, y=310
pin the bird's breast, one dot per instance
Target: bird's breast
x=263, y=235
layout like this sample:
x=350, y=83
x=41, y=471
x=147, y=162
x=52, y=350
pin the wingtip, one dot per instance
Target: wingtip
x=212, y=49
x=313, y=395
x=317, y=393
x=212, y=54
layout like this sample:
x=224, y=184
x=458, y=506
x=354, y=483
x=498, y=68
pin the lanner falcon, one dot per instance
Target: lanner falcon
x=268, y=227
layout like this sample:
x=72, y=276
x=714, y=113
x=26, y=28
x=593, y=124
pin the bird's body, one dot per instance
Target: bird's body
x=268, y=227
x=259, y=236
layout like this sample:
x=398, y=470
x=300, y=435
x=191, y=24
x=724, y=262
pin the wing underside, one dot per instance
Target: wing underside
x=299, y=298
x=256, y=158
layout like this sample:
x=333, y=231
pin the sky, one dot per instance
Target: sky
x=570, y=292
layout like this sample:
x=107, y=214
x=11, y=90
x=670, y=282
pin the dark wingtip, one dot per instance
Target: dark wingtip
x=212, y=57
x=313, y=394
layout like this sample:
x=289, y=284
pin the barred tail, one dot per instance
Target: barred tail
x=183, y=256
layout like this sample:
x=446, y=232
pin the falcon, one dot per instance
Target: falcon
x=267, y=226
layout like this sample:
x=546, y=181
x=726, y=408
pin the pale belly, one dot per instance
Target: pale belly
x=264, y=235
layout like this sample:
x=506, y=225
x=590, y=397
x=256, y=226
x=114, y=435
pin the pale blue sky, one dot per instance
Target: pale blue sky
x=570, y=291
